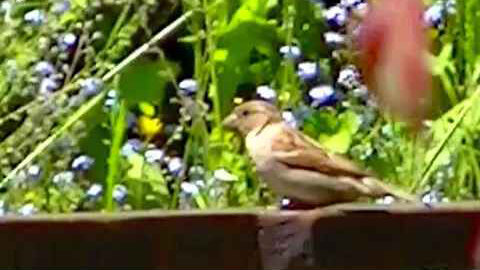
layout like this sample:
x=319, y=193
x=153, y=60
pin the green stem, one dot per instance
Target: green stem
x=429, y=168
x=119, y=127
x=213, y=75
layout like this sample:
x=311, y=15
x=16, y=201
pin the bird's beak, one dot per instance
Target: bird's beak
x=230, y=121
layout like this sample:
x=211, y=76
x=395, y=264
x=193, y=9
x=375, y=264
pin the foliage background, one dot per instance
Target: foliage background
x=102, y=127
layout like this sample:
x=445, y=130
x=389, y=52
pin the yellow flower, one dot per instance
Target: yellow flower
x=149, y=127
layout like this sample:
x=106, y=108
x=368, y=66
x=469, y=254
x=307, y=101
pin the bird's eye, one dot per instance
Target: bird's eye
x=245, y=113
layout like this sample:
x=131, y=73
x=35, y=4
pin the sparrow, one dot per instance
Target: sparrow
x=295, y=166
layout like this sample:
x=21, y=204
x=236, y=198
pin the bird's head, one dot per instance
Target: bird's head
x=251, y=115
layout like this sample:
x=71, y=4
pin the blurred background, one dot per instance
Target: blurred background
x=81, y=131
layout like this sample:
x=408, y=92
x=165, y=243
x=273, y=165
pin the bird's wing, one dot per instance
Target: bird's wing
x=296, y=150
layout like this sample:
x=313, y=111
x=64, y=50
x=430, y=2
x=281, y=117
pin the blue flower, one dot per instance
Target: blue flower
x=44, y=68
x=3, y=208
x=267, y=93
x=111, y=99
x=189, y=188
x=322, y=95
x=67, y=41
x=434, y=16
x=308, y=71
x=334, y=39
x=131, y=120
x=64, y=178
x=28, y=210
x=297, y=116
x=290, y=119
x=82, y=163
x=61, y=6
x=175, y=165
x=131, y=147
x=351, y=4
x=336, y=16
x=35, y=17
x=154, y=155
x=47, y=86
x=432, y=196
x=349, y=78
x=188, y=87
x=91, y=87
x=94, y=191
x=34, y=172
x=290, y=52
x=120, y=193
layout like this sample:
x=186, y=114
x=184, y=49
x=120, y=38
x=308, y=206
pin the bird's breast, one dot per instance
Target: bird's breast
x=259, y=142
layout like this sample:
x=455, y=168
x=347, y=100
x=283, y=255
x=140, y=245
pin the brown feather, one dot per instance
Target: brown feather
x=295, y=151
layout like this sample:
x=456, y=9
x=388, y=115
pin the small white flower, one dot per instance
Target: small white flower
x=35, y=17
x=334, y=39
x=224, y=175
x=34, y=172
x=349, y=77
x=27, y=210
x=285, y=201
x=63, y=178
x=3, y=208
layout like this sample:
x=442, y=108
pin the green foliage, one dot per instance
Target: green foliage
x=335, y=132
x=233, y=58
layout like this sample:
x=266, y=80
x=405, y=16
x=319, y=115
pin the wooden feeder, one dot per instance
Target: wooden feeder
x=350, y=236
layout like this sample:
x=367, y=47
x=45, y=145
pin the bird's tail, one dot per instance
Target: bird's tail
x=380, y=189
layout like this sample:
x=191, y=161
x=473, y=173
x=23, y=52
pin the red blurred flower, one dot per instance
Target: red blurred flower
x=393, y=43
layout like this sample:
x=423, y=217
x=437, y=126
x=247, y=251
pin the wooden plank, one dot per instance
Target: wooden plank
x=349, y=236
x=219, y=241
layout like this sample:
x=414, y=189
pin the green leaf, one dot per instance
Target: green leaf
x=136, y=162
x=145, y=80
x=341, y=140
x=333, y=132
x=147, y=109
x=233, y=57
